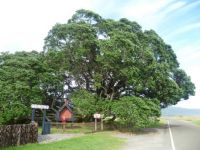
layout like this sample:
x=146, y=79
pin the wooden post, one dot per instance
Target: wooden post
x=101, y=123
x=33, y=115
x=95, y=127
x=63, y=125
x=19, y=136
x=43, y=122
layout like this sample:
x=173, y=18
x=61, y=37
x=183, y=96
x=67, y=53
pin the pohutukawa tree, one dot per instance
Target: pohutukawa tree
x=109, y=66
x=116, y=61
x=117, y=58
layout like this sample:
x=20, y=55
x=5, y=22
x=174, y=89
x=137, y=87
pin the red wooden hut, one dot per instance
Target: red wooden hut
x=65, y=112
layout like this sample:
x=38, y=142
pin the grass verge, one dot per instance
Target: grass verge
x=197, y=122
x=76, y=128
x=192, y=119
x=96, y=141
x=160, y=123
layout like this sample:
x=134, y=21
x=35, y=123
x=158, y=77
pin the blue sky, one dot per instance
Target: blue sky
x=25, y=23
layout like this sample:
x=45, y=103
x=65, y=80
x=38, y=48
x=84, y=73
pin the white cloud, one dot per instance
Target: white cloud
x=189, y=57
x=173, y=7
x=148, y=13
x=184, y=29
x=144, y=8
x=193, y=103
x=24, y=24
x=169, y=10
x=28, y=22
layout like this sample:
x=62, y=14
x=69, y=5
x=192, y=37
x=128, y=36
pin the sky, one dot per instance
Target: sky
x=25, y=23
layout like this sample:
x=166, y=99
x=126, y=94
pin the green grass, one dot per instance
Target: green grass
x=161, y=123
x=83, y=129
x=76, y=128
x=192, y=119
x=186, y=118
x=197, y=122
x=95, y=141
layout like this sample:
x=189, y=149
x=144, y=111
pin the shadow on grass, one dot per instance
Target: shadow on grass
x=88, y=128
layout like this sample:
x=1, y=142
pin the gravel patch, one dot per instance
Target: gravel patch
x=154, y=139
x=55, y=137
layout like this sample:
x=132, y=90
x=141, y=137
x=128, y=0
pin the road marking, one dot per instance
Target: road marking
x=171, y=137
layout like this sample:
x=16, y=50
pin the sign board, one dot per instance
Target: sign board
x=97, y=116
x=39, y=106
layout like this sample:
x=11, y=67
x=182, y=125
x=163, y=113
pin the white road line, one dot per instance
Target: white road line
x=171, y=137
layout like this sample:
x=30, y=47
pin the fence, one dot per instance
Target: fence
x=12, y=135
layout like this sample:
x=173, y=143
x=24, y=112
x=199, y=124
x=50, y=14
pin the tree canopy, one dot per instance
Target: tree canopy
x=117, y=58
x=20, y=77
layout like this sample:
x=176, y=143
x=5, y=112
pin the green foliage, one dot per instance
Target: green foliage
x=113, y=59
x=54, y=77
x=127, y=72
x=85, y=104
x=129, y=110
x=21, y=76
x=136, y=112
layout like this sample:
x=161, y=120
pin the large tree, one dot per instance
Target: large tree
x=117, y=58
x=107, y=66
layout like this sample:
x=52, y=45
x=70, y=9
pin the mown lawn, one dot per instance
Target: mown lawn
x=95, y=141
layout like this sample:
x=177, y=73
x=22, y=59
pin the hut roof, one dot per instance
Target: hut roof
x=66, y=105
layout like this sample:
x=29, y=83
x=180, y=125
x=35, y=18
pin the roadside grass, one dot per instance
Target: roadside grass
x=186, y=118
x=160, y=123
x=95, y=141
x=75, y=128
x=197, y=122
x=89, y=127
x=193, y=119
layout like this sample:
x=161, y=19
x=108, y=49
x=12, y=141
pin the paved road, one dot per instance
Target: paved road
x=177, y=135
x=186, y=136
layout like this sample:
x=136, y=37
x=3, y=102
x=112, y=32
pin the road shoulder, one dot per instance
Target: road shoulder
x=148, y=139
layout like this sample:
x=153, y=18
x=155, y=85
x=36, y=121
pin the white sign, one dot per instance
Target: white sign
x=39, y=106
x=97, y=116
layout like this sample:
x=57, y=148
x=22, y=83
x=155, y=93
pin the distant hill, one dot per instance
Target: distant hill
x=178, y=111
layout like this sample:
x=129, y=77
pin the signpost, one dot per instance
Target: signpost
x=96, y=117
x=44, y=123
x=35, y=106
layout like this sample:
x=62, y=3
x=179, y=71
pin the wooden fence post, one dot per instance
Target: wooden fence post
x=101, y=123
x=18, y=135
x=95, y=126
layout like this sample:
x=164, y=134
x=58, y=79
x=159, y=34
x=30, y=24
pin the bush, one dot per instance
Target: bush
x=136, y=112
x=130, y=111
